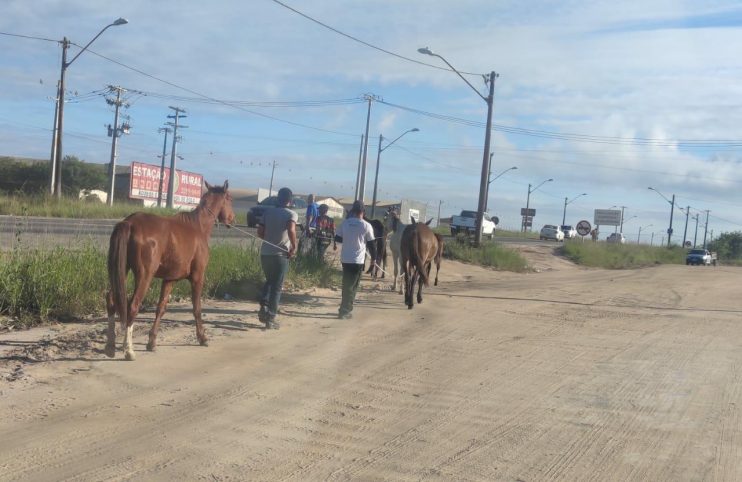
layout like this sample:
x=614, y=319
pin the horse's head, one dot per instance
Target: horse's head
x=219, y=202
x=391, y=219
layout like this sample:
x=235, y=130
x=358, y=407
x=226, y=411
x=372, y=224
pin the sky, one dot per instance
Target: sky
x=606, y=98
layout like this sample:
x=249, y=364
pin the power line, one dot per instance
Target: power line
x=299, y=103
x=642, y=141
x=28, y=37
x=172, y=84
x=363, y=42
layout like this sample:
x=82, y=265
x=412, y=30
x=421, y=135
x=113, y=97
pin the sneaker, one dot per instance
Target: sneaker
x=345, y=316
x=272, y=324
x=263, y=314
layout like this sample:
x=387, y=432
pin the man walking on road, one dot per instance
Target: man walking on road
x=278, y=230
x=354, y=233
x=325, y=233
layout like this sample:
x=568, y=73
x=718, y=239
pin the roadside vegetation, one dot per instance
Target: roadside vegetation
x=64, y=284
x=490, y=254
x=621, y=256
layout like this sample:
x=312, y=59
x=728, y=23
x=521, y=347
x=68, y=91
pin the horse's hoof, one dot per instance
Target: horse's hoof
x=409, y=307
x=151, y=346
x=110, y=351
x=129, y=356
x=204, y=342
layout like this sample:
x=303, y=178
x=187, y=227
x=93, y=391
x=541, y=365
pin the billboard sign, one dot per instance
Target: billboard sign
x=144, y=183
x=607, y=217
x=531, y=212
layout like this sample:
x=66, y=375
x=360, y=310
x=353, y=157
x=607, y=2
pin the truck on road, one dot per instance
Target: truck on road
x=466, y=223
x=700, y=256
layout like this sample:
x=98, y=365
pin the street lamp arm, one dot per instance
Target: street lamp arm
x=575, y=198
x=398, y=138
x=427, y=51
x=542, y=183
x=120, y=21
x=663, y=196
x=503, y=172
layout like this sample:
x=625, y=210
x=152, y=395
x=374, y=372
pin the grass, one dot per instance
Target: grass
x=62, y=283
x=621, y=256
x=44, y=205
x=489, y=254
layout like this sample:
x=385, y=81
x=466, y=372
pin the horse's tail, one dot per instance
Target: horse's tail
x=419, y=264
x=117, y=259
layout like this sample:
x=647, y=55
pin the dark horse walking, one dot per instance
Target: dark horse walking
x=170, y=248
x=379, y=263
x=420, y=247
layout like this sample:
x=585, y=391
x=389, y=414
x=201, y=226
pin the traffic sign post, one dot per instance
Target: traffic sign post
x=583, y=228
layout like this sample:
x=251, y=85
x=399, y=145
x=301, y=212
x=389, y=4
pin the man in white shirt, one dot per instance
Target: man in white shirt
x=354, y=233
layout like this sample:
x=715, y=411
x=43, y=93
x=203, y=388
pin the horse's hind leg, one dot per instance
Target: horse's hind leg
x=111, y=332
x=197, y=284
x=167, y=288
x=141, y=285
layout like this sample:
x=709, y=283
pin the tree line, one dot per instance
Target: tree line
x=32, y=177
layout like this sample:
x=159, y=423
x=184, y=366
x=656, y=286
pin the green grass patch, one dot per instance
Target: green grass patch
x=488, y=254
x=49, y=206
x=621, y=256
x=64, y=284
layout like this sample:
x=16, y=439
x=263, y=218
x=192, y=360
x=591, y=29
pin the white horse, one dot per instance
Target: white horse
x=394, y=225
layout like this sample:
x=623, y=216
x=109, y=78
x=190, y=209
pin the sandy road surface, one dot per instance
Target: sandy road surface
x=567, y=374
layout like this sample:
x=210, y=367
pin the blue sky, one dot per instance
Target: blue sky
x=602, y=97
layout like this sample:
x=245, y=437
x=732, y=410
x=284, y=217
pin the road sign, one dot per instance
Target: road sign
x=583, y=228
x=531, y=212
x=607, y=217
x=527, y=224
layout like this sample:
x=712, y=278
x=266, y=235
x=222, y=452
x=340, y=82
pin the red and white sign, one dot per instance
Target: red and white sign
x=144, y=184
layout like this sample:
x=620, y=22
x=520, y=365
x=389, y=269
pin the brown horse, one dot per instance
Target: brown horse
x=170, y=248
x=419, y=248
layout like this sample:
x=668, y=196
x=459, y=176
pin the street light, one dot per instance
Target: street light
x=56, y=164
x=564, y=214
x=638, y=238
x=487, y=196
x=528, y=202
x=672, y=209
x=378, y=160
x=483, y=182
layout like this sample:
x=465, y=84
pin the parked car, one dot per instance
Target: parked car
x=466, y=222
x=616, y=238
x=700, y=256
x=569, y=231
x=549, y=231
x=255, y=214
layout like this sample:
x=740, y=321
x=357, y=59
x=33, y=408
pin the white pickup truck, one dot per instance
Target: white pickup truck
x=466, y=223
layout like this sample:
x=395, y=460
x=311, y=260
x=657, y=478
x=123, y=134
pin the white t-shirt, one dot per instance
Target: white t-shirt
x=355, y=233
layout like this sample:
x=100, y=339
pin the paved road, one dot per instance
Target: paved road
x=49, y=232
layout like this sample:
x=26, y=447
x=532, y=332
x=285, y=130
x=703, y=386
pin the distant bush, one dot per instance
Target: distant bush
x=488, y=254
x=621, y=256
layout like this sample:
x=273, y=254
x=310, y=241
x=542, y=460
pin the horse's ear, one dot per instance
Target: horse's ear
x=413, y=220
x=429, y=221
x=208, y=186
x=226, y=185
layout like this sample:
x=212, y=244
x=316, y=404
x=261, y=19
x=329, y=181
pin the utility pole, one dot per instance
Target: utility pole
x=489, y=174
x=439, y=213
x=695, y=238
x=57, y=168
x=484, y=179
x=622, y=208
x=685, y=233
x=362, y=182
x=705, y=229
x=528, y=203
x=270, y=188
x=115, y=132
x=161, y=188
x=53, y=157
x=669, y=230
x=358, y=171
x=176, y=125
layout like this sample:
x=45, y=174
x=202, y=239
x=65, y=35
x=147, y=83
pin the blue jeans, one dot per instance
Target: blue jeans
x=275, y=268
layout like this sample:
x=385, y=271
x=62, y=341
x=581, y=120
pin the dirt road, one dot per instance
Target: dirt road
x=566, y=374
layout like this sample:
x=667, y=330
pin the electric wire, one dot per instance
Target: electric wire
x=367, y=44
x=29, y=37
